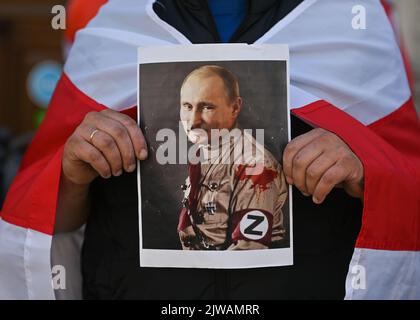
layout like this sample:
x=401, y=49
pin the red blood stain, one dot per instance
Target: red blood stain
x=258, y=175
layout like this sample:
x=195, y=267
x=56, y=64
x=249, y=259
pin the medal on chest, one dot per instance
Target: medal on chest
x=211, y=205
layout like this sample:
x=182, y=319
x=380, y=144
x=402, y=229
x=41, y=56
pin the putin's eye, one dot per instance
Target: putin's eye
x=208, y=108
x=187, y=107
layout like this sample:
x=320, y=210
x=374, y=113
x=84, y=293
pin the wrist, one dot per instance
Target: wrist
x=69, y=185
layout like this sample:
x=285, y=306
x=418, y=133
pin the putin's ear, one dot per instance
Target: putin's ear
x=237, y=106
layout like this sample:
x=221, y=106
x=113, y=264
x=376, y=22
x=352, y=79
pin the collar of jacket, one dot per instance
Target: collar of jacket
x=194, y=20
x=201, y=11
x=255, y=6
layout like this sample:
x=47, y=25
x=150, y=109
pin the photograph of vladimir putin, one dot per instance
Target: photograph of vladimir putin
x=229, y=203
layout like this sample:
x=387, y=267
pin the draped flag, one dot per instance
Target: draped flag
x=351, y=82
x=79, y=13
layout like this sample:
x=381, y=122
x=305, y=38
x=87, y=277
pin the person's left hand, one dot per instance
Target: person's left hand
x=318, y=161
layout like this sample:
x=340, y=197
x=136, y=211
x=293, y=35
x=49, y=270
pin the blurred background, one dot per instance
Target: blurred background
x=32, y=54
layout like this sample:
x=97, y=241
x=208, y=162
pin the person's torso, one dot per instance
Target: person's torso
x=324, y=235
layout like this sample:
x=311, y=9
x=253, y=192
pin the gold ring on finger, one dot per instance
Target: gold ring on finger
x=93, y=134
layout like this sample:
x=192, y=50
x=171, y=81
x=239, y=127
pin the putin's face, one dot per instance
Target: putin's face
x=205, y=105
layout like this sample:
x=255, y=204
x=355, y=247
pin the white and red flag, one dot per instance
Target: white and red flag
x=349, y=81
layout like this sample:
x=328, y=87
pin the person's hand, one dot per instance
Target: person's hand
x=318, y=161
x=104, y=144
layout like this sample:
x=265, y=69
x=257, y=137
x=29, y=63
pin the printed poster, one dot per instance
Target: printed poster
x=212, y=193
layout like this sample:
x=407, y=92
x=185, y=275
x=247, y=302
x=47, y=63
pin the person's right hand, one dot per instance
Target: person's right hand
x=116, y=146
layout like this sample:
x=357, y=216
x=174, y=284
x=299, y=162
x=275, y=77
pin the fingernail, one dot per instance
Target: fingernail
x=305, y=194
x=131, y=167
x=118, y=173
x=316, y=200
x=107, y=176
x=143, y=154
x=289, y=180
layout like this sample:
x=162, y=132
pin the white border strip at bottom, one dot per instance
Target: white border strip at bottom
x=217, y=259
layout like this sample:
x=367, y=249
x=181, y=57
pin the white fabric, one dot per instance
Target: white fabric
x=25, y=268
x=384, y=275
x=300, y=98
x=359, y=71
x=25, y=271
x=107, y=49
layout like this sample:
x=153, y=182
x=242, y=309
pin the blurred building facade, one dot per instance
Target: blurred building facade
x=30, y=63
x=30, y=51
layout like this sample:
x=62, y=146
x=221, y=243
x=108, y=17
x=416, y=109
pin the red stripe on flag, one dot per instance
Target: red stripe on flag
x=32, y=198
x=390, y=152
x=79, y=14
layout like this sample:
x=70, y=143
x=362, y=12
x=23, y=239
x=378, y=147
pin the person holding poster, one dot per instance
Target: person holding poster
x=354, y=159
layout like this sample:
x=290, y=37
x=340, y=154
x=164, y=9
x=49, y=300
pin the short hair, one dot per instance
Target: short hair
x=229, y=80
